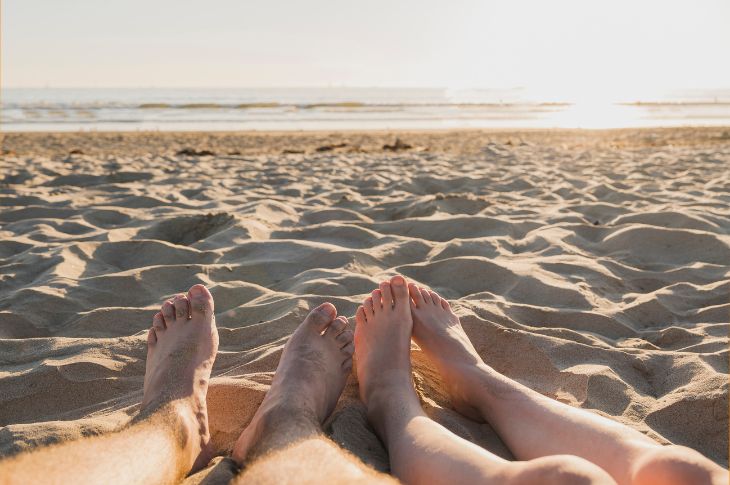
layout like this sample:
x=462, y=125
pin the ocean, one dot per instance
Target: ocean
x=337, y=108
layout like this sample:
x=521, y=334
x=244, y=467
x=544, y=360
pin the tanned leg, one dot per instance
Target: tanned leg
x=535, y=426
x=284, y=442
x=421, y=450
x=170, y=435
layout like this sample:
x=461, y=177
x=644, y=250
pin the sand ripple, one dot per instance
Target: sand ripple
x=599, y=277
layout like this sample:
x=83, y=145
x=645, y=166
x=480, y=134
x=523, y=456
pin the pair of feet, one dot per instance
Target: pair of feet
x=314, y=366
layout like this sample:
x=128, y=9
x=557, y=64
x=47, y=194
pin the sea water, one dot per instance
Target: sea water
x=337, y=108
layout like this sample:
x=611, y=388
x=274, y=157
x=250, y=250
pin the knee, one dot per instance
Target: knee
x=676, y=465
x=563, y=470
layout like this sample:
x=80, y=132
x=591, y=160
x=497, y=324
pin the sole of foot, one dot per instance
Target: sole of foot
x=438, y=332
x=309, y=379
x=181, y=348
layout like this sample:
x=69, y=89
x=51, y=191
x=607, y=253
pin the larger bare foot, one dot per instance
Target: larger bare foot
x=308, y=382
x=438, y=332
x=181, y=348
x=382, y=344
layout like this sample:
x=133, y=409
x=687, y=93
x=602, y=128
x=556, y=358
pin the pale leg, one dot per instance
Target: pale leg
x=535, y=426
x=421, y=450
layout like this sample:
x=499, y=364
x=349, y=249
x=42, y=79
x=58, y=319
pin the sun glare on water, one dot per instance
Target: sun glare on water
x=597, y=114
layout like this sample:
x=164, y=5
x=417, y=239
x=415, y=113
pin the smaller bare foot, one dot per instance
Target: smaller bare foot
x=438, y=332
x=382, y=345
x=181, y=348
x=307, y=384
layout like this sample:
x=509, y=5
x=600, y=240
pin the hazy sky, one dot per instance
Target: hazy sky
x=557, y=47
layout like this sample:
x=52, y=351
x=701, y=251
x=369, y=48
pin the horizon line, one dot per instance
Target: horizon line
x=343, y=86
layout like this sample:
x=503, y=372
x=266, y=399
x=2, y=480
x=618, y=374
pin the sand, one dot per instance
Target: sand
x=593, y=267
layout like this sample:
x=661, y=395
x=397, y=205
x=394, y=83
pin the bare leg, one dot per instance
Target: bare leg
x=535, y=426
x=284, y=440
x=421, y=450
x=170, y=435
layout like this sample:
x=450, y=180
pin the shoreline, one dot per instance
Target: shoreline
x=453, y=141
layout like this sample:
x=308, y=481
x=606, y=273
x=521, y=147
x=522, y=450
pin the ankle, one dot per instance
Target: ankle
x=288, y=414
x=390, y=406
x=483, y=388
x=178, y=419
x=386, y=386
x=276, y=426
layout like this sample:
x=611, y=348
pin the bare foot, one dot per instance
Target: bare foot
x=181, y=348
x=308, y=382
x=382, y=344
x=438, y=332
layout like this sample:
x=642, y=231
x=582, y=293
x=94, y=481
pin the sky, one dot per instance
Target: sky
x=556, y=48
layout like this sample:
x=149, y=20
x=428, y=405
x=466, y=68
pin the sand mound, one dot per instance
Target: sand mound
x=581, y=265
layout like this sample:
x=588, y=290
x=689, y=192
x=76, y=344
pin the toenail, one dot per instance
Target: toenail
x=326, y=309
x=196, y=290
x=399, y=281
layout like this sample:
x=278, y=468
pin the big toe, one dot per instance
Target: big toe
x=321, y=317
x=201, y=301
x=399, y=288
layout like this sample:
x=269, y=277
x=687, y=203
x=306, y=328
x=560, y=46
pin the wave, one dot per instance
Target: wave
x=342, y=105
x=46, y=106
x=339, y=108
x=677, y=104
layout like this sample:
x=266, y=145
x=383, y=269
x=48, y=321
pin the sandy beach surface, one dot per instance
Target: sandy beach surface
x=592, y=266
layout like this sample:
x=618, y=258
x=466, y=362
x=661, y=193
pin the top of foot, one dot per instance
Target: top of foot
x=383, y=342
x=437, y=329
x=181, y=348
x=308, y=382
x=438, y=332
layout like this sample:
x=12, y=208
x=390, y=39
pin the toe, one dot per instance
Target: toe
x=182, y=306
x=369, y=307
x=426, y=296
x=445, y=304
x=387, y=294
x=400, y=291
x=337, y=326
x=415, y=295
x=158, y=323
x=345, y=337
x=435, y=298
x=347, y=364
x=360, y=316
x=151, y=337
x=201, y=301
x=377, y=298
x=320, y=318
x=348, y=349
x=168, y=313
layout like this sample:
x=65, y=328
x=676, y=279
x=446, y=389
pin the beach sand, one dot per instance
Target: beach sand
x=591, y=266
